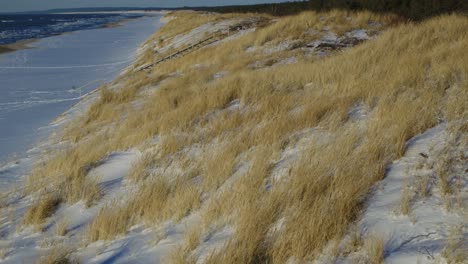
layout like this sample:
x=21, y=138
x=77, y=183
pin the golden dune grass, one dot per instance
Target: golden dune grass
x=409, y=77
x=374, y=247
x=44, y=208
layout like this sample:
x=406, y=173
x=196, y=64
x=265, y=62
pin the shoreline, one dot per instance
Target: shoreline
x=24, y=43
x=162, y=12
x=19, y=45
x=117, y=23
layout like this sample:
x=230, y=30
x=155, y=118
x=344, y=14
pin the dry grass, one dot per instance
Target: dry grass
x=374, y=247
x=405, y=199
x=71, y=185
x=443, y=169
x=192, y=237
x=156, y=201
x=408, y=77
x=180, y=255
x=139, y=170
x=186, y=21
x=356, y=241
x=61, y=227
x=336, y=20
x=108, y=223
x=217, y=165
x=424, y=186
x=455, y=249
x=41, y=210
x=4, y=253
x=58, y=254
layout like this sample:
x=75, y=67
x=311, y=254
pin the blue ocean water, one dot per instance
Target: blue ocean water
x=16, y=27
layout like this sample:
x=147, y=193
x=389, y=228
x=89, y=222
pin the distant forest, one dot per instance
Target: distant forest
x=412, y=9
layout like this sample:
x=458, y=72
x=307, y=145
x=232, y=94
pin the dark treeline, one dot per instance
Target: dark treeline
x=279, y=9
x=412, y=9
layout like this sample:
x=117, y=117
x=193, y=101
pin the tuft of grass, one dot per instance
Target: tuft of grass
x=192, y=238
x=443, y=169
x=58, y=255
x=180, y=255
x=41, y=210
x=108, y=223
x=356, y=241
x=374, y=247
x=454, y=251
x=4, y=253
x=405, y=199
x=139, y=170
x=61, y=227
x=218, y=165
x=424, y=186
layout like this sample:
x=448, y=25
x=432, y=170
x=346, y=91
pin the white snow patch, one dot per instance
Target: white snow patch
x=421, y=236
x=219, y=75
x=113, y=169
x=282, y=46
x=287, y=61
x=291, y=154
x=360, y=34
x=238, y=34
x=197, y=34
x=110, y=173
x=213, y=242
x=251, y=49
x=358, y=112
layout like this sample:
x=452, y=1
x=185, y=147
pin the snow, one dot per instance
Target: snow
x=204, y=31
x=196, y=35
x=86, y=58
x=300, y=140
x=213, y=242
x=114, y=168
x=418, y=237
x=329, y=39
x=282, y=46
x=287, y=61
x=358, y=112
x=421, y=236
x=238, y=34
x=40, y=83
x=360, y=34
x=110, y=173
x=219, y=75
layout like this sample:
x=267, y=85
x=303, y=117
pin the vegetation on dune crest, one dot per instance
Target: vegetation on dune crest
x=212, y=145
x=411, y=9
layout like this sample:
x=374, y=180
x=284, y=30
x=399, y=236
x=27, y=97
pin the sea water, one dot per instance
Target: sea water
x=16, y=27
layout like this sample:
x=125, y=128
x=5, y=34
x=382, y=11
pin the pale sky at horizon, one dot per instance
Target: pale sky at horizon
x=34, y=5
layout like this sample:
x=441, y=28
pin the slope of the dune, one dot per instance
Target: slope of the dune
x=293, y=139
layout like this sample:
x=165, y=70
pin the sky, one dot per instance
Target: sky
x=34, y=5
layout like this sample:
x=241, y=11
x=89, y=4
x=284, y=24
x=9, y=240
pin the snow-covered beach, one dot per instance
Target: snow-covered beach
x=39, y=83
